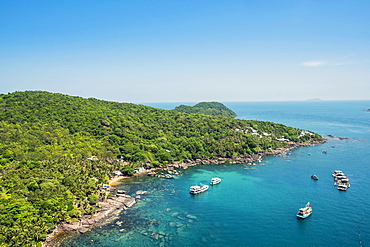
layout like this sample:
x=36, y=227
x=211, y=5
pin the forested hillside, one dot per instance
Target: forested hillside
x=47, y=138
x=207, y=108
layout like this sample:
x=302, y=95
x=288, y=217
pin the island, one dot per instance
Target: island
x=207, y=108
x=59, y=153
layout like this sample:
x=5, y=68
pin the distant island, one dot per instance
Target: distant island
x=207, y=108
x=59, y=153
x=315, y=99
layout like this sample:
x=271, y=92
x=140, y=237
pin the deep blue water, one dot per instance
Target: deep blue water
x=256, y=205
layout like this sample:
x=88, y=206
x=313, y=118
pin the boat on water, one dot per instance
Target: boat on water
x=314, y=177
x=304, y=212
x=215, y=180
x=196, y=189
x=169, y=176
x=337, y=173
x=341, y=180
x=343, y=186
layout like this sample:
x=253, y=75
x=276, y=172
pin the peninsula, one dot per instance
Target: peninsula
x=58, y=153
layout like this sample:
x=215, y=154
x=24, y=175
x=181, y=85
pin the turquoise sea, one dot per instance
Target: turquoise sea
x=256, y=205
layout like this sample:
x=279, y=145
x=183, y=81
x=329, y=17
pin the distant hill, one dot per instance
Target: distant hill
x=57, y=151
x=207, y=108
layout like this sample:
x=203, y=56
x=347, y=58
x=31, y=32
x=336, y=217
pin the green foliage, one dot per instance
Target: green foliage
x=33, y=196
x=93, y=199
x=46, y=138
x=207, y=108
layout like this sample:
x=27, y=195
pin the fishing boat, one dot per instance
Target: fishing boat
x=196, y=189
x=168, y=176
x=215, y=181
x=304, y=212
x=314, y=177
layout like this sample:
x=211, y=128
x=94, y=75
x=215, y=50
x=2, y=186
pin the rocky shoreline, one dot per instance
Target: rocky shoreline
x=110, y=208
x=113, y=205
x=249, y=159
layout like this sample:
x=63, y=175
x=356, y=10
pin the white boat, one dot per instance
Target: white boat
x=215, y=180
x=196, y=189
x=343, y=187
x=339, y=177
x=304, y=212
x=336, y=173
x=341, y=180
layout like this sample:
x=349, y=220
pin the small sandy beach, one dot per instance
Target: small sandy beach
x=116, y=180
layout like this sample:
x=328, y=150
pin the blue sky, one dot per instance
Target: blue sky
x=187, y=51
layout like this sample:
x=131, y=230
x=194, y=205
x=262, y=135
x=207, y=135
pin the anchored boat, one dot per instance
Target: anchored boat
x=341, y=180
x=215, y=181
x=304, y=212
x=343, y=186
x=196, y=189
x=314, y=177
x=337, y=173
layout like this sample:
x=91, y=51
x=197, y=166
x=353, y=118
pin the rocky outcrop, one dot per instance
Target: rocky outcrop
x=109, y=210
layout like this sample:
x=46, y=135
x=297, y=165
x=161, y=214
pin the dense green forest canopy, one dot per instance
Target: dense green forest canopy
x=46, y=175
x=207, y=108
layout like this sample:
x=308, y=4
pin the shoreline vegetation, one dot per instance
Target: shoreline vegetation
x=58, y=152
x=112, y=206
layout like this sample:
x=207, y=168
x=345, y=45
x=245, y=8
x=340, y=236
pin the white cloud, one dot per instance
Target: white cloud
x=314, y=63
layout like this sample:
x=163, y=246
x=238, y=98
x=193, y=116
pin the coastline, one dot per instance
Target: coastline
x=109, y=210
x=113, y=205
x=249, y=159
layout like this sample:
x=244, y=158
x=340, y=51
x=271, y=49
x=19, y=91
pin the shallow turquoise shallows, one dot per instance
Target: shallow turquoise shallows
x=257, y=205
